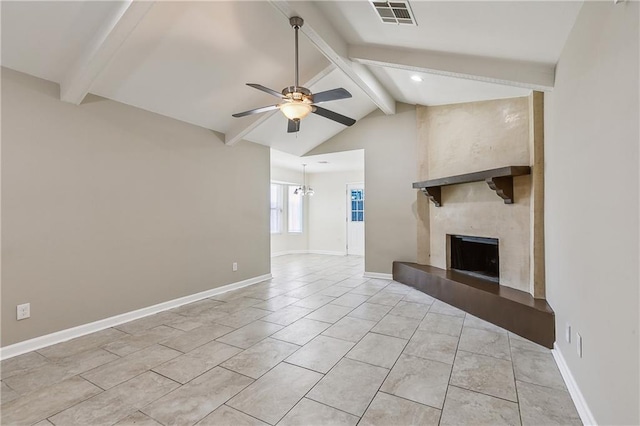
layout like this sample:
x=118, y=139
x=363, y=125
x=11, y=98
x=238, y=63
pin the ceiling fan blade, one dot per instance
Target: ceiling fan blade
x=331, y=95
x=293, y=126
x=256, y=111
x=266, y=90
x=342, y=119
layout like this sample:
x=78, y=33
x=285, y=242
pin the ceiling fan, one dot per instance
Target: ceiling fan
x=296, y=102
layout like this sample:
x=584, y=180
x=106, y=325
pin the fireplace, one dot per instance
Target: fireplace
x=476, y=256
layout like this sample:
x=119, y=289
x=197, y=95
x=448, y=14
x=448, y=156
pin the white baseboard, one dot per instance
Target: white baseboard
x=578, y=399
x=329, y=253
x=81, y=330
x=377, y=275
x=286, y=252
x=326, y=252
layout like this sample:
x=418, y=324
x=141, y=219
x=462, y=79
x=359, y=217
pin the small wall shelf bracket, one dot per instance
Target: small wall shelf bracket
x=503, y=187
x=434, y=194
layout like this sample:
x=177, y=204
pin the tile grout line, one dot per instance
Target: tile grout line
x=485, y=394
x=264, y=374
x=410, y=400
x=396, y=361
x=515, y=382
x=224, y=404
x=106, y=390
x=343, y=357
x=476, y=391
x=446, y=392
x=328, y=372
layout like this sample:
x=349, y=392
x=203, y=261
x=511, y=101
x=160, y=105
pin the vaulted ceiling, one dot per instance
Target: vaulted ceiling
x=191, y=60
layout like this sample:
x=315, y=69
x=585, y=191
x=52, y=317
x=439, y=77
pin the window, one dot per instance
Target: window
x=357, y=205
x=294, y=212
x=276, y=208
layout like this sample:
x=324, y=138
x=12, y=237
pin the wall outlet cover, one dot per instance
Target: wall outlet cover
x=567, y=334
x=234, y=267
x=579, y=344
x=23, y=311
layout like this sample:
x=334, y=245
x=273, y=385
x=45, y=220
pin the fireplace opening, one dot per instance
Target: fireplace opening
x=476, y=256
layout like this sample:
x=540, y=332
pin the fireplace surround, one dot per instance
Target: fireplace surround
x=461, y=148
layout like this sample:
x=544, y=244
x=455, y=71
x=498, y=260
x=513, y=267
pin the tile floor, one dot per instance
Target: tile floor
x=316, y=345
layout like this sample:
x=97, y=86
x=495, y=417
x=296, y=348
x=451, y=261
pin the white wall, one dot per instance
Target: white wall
x=389, y=143
x=107, y=208
x=328, y=210
x=286, y=242
x=591, y=202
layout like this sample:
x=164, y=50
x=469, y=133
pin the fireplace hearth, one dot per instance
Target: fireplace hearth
x=475, y=256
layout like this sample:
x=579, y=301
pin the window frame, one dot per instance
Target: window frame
x=300, y=204
x=278, y=207
x=358, y=212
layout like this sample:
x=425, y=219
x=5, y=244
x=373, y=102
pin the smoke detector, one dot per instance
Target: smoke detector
x=394, y=12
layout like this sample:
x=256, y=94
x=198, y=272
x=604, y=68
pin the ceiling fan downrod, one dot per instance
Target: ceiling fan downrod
x=296, y=22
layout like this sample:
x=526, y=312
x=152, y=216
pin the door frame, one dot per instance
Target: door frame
x=360, y=185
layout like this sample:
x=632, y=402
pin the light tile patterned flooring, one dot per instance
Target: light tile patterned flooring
x=316, y=345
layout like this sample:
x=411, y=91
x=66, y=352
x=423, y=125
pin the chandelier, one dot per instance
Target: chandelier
x=304, y=189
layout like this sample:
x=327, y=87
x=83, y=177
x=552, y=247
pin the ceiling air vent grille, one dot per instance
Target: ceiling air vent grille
x=394, y=12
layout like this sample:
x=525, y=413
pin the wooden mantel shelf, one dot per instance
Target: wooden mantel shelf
x=500, y=180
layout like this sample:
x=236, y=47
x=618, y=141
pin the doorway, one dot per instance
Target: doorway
x=355, y=219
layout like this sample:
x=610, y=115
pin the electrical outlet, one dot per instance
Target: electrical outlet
x=567, y=333
x=234, y=267
x=23, y=311
x=579, y=344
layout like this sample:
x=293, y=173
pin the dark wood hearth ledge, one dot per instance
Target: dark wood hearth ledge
x=511, y=309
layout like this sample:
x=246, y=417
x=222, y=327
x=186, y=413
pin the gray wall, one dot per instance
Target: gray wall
x=591, y=202
x=108, y=208
x=389, y=144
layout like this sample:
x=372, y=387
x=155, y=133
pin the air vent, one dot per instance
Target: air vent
x=394, y=12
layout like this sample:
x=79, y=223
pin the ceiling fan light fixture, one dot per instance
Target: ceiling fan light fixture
x=297, y=102
x=296, y=110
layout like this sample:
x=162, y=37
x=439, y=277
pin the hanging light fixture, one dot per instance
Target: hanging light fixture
x=304, y=189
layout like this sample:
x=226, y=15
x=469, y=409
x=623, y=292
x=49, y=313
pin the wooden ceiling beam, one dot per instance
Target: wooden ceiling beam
x=101, y=49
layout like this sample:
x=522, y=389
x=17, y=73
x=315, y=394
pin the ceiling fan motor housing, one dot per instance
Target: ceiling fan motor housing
x=297, y=93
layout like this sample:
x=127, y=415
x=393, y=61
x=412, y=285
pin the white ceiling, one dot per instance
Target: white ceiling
x=441, y=90
x=523, y=30
x=323, y=163
x=44, y=38
x=191, y=60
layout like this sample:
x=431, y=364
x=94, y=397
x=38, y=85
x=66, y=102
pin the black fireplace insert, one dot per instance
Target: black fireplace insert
x=477, y=256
